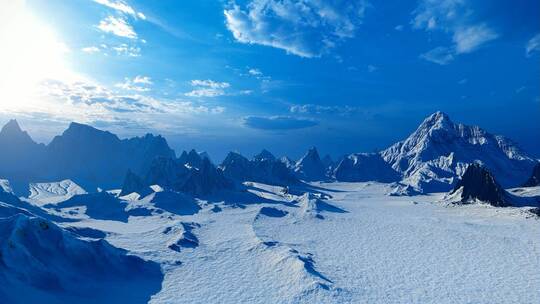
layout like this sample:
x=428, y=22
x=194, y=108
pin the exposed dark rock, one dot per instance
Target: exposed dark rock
x=478, y=184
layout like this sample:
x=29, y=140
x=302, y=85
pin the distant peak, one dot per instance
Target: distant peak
x=312, y=153
x=265, y=154
x=12, y=126
x=12, y=133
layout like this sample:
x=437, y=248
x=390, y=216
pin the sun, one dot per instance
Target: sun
x=31, y=52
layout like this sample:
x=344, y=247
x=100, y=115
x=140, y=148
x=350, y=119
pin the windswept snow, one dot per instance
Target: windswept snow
x=325, y=243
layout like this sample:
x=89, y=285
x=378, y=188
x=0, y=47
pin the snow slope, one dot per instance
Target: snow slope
x=42, y=263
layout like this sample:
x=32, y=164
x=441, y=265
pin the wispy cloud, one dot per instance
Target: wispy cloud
x=439, y=55
x=138, y=84
x=277, y=123
x=313, y=109
x=304, y=28
x=121, y=7
x=207, y=88
x=470, y=38
x=451, y=17
x=127, y=50
x=117, y=26
x=533, y=45
x=255, y=72
x=91, y=49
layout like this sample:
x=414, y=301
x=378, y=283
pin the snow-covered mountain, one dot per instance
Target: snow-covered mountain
x=310, y=167
x=264, y=168
x=90, y=157
x=439, y=151
x=363, y=167
x=171, y=174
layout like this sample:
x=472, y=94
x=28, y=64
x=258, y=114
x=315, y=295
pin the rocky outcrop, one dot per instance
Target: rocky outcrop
x=477, y=184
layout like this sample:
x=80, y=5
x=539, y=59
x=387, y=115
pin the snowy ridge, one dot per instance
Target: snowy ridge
x=55, y=192
x=301, y=267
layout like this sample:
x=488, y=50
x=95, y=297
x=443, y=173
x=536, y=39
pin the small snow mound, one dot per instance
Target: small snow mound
x=399, y=189
x=54, y=192
x=312, y=205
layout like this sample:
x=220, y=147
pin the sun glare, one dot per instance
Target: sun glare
x=31, y=52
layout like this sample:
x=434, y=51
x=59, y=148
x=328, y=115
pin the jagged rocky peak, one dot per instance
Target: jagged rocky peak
x=234, y=159
x=310, y=167
x=263, y=155
x=204, y=180
x=438, y=151
x=12, y=133
x=477, y=183
x=534, y=180
x=191, y=159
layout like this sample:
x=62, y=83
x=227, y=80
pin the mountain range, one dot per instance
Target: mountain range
x=431, y=159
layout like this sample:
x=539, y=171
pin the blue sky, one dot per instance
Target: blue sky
x=345, y=76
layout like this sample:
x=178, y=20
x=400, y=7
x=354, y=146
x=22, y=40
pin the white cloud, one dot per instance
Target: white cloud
x=463, y=81
x=205, y=92
x=90, y=49
x=533, y=45
x=121, y=7
x=303, y=28
x=210, y=83
x=127, y=50
x=371, y=68
x=470, y=38
x=452, y=17
x=399, y=28
x=117, y=26
x=138, y=84
x=439, y=55
x=142, y=79
x=255, y=72
x=207, y=88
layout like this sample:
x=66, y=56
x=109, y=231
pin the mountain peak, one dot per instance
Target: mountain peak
x=437, y=119
x=12, y=133
x=11, y=126
x=265, y=154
